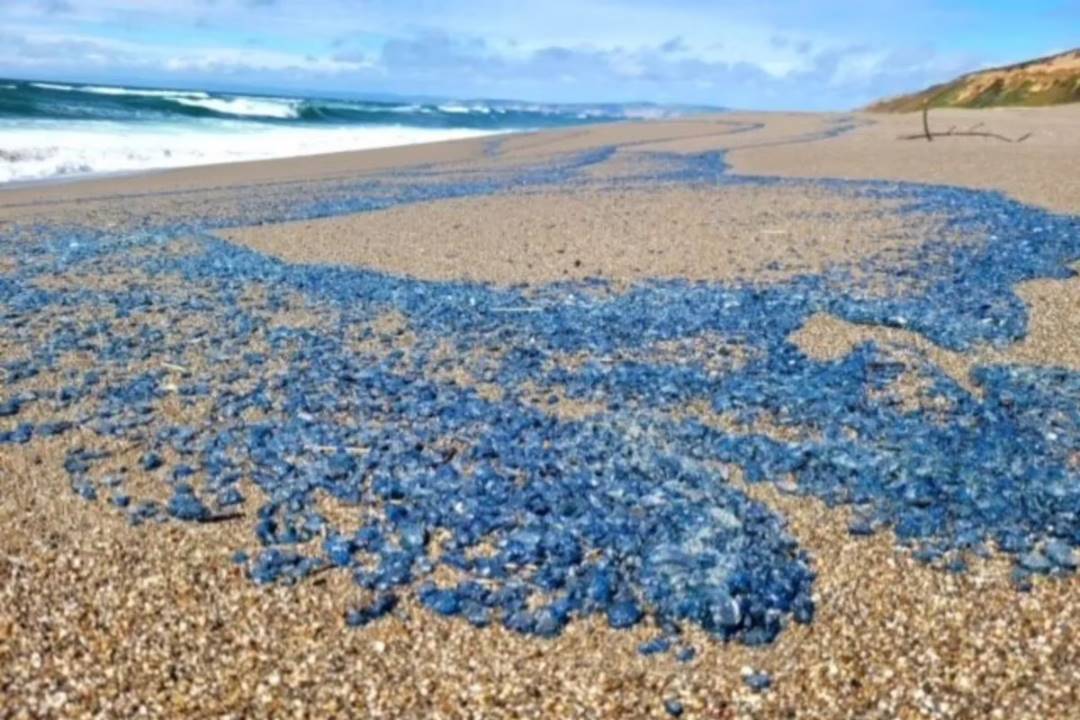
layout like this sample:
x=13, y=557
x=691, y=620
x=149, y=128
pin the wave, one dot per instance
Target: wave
x=455, y=109
x=54, y=86
x=130, y=92
x=245, y=106
x=174, y=101
x=96, y=102
x=359, y=106
x=118, y=91
x=53, y=128
x=48, y=149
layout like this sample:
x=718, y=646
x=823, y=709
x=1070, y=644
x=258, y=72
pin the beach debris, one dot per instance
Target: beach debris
x=185, y=506
x=685, y=654
x=673, y=707
x=972, y=131
x=352, y=451
x=757, y=681
x=655, y=646
x=382, y=605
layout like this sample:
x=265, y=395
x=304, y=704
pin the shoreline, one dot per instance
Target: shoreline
x=106, y=175
x=868, y=151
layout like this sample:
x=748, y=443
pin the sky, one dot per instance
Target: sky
x=768, y=54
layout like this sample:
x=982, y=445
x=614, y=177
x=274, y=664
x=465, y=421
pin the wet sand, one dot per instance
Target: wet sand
x=102, y=619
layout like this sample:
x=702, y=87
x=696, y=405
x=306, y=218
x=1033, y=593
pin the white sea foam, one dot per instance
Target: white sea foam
x=55, y=86
x=454, y=109
x=131, y=92
x=360, y=106
x=119, y=91
x=239, y=105
x=34, y=150
x=246, y=106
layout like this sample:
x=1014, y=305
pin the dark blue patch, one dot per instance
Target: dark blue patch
x=625, y=513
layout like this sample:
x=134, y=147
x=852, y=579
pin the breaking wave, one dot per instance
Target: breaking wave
x=49, y=149
x=50, y=129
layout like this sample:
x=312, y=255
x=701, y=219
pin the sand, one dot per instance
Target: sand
x=102, y=619
x=620, y=235
x=1040, y=170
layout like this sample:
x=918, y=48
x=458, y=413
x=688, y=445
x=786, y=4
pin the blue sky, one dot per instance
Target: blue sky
x=780, y=54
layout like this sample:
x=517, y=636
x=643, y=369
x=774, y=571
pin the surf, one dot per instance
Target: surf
x=44, y=149
x=63, y=129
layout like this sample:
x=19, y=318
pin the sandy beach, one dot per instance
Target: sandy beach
x=829, y=332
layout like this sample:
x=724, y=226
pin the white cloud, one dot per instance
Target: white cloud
x=246, y=59
x=814, y=54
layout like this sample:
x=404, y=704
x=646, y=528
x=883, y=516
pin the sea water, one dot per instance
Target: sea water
x=53, y=129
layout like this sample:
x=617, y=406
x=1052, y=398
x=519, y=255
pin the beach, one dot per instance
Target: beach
x=785, y=361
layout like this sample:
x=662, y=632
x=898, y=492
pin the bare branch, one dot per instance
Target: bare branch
x=974, y=131
x=965, y=133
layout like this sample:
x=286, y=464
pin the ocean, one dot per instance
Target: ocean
x=54, y=129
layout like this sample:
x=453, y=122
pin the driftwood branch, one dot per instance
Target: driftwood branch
x=221, y=517
x=973, y=131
